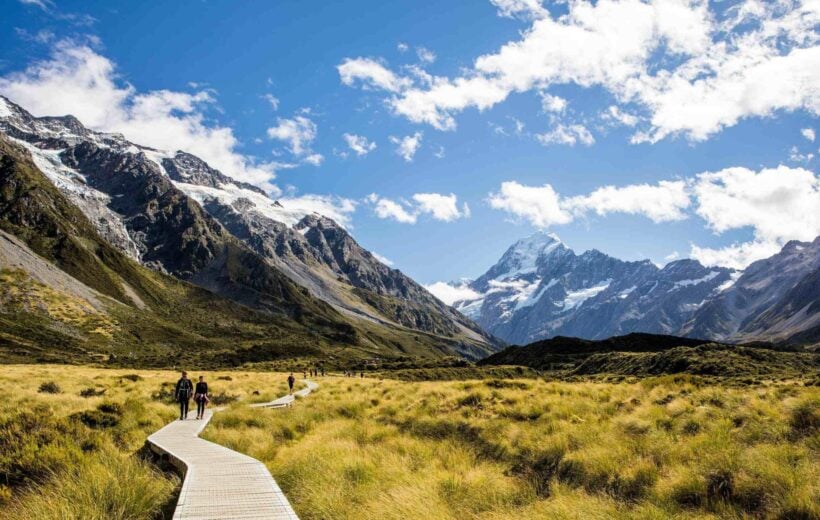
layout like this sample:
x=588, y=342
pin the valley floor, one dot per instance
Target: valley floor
x=477, y=449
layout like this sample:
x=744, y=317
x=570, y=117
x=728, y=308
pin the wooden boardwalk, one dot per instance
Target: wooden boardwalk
x=220, y=483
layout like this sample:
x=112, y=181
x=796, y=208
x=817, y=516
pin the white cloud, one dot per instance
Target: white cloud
x=359, y=144
x=425, y=55
x=796, y=156
x=663, y=202
x=383, y=259
x=402, y=47
x=779, y=204
x=42, y=4
x=389, y=209
x=77, y=80
x=315, y=159
x=736, y=256
x=450, y=294
x=540, y=205
x=440, y=207
x=692, y=70
x=440, y=153
x=370, y=73
x=566, y=134
x=550, y=103
x=674, y=255
x=520, y=8
x=299, y=133
x=616, y=116
x=408, y=145
x=808, y=133
x=272, y=100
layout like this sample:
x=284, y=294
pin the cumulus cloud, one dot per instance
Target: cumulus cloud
x=359, y=144
x=407, y=146
x=663, y=202
x=808, y=134
x=371, y=74
x=298, y=133
x=450, y=294
x=77, y=80
x=779, y=204
x=566, y=134
x=550, y=103
x=543, y=207
x=444, y=208
x=691, y=68
x=441, y=207
x=390, y=209
x=540, y=205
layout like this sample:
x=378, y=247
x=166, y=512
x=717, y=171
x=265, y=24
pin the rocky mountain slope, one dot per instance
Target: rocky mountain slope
x=774, y=299
x=540, y=288
x=176, y=215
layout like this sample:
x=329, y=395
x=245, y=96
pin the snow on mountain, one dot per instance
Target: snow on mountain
x=540, y=288
x=172, y=212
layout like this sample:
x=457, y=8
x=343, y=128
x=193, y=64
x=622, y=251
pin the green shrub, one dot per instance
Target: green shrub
x=49, y=387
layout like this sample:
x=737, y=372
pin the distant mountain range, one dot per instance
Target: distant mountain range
x=175, y=215
x=540, y=289
x=109, y=248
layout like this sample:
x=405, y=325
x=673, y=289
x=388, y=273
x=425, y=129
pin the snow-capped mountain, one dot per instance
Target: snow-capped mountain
x=540, y=288
x=174, y=213
x=774, y=299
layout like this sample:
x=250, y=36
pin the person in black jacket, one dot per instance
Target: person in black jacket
x=201, y=397
x=291, y=380
x=182, y=393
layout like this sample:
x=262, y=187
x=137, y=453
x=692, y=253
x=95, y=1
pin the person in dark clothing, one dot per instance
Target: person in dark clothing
x=291, y=381
x=182, y=393
x=201, y=397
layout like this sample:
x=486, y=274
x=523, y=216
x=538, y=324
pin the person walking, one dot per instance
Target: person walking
x=182, y=393
x=291, y=381
x=201, y=397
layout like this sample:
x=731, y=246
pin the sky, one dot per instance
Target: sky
x=439, y=133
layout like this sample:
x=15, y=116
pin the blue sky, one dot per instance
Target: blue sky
x=663, y=129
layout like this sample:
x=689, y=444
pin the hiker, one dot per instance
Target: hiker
x=182, y=393
x=362, y=375
x=322, y=368
x=304, y=373
x=291, y=381
x=201, y=397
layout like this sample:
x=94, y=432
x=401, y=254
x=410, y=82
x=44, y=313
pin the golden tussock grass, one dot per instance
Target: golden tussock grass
x=382, y=449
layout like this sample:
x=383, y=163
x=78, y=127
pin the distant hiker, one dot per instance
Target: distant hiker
x=322, y=368
x=362, y=375
x=304, y=373
x=201, y=397
x=182, y=393
x=291, y=381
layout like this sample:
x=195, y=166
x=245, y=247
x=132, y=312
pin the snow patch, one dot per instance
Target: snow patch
x=5, y=110
x=626, y=292
x=687, y=283
x=575, y=299
x=229, y=193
